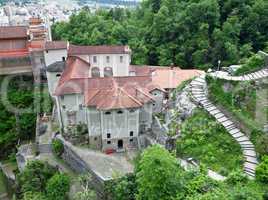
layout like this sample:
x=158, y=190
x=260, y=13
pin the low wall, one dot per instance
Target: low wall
x=79, y=166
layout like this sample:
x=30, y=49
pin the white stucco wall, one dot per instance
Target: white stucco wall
x=158, y=96
x=52, y=80
x=52, y=56
x=119, y=68
x=72, y=102
x=146, y=114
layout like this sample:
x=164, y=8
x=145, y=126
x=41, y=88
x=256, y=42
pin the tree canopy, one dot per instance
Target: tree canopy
x=187, y=33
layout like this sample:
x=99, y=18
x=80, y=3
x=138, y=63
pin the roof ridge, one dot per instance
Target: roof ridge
x=98, y=91
x=143, y=93
x=130, y=96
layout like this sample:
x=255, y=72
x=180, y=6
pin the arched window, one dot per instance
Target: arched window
x=95, y=72
x=107, y=113
x=120, y=112
x=108, y=72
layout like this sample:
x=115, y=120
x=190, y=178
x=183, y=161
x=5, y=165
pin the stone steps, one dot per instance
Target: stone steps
x=198, y=93
x=247, y=77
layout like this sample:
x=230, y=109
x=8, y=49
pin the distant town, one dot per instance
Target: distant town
x=18, y=12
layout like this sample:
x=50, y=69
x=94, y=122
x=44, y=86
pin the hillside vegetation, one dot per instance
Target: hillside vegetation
x=246, y=101
x=208, y=142
x=18, y=125
x=187, y=33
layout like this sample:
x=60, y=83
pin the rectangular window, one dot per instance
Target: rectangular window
x=121, y=59
x=108, y=135
x=80, y=106
x=62, y=97
x=131, y=133
x=108, y=59
x=94, y=59
x=108, y=142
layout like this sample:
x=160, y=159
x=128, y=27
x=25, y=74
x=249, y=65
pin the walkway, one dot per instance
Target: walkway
x=199, y=95
x=247, y=77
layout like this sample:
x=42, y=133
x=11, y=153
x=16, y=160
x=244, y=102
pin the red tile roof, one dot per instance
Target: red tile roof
x=170, y=79
x=109, y=92
x=119, y=92
x=165, y=77
x=76, y=68
x=54, y=45
x=114, y=98
x=14, y=53
x=81, y=50
x=13, y=32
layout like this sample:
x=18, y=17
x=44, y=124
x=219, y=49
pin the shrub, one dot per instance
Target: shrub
x=262, y=170
x=81, y=129
x=35, y=176
x=236, y=177
x=33, y=196
x=58, y=187
x=57, y=147
x=254, y=63
x=262, y=144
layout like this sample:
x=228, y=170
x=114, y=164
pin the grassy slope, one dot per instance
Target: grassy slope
x=243, y=100
x=207, y=141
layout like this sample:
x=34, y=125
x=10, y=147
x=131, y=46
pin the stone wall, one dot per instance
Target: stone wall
x=79, y=166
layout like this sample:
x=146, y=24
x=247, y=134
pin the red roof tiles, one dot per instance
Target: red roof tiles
x=165, y=77
x=13, y=32
x=119, y=92
x=54, y=45
x=81, y=50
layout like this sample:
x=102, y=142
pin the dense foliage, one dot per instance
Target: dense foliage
x=58, y=187
x=41, y=181
x=57, y=147
x=158, y=175
x=246, y=102
x=34, y=177
x=262, y=170
x=208, y=142
x=16, y=125
x=186, y=33
x=254, y=63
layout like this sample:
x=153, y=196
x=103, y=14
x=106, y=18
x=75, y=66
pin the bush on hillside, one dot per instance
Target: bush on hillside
x=57, y=147
x=262, y=171
x=254, y=63
x=58, y=187
x=35, y=176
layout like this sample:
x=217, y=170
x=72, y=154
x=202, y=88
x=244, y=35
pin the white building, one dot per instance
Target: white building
x=96, y=86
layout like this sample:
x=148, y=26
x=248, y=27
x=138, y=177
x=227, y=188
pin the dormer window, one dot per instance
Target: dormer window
x=107, y=59
x=95, y=59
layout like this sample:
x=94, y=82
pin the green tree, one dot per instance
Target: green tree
x=262, y=170
x=158, y=175
x=35, y=176
x=57, y=187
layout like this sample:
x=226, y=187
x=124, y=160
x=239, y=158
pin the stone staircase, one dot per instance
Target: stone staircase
x=247, y=77
x=199, y=95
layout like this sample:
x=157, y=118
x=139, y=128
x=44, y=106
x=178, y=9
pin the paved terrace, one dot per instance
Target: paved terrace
x=103, y=165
